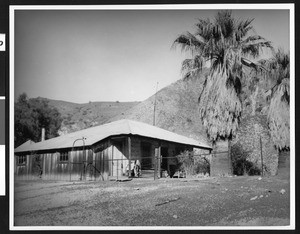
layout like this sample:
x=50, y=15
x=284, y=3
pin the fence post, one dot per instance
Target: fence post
x=70, y=164
x=210, y=161
x=117, y=169
x=129, y=157
x=261, y=156
x=155, y=163
x=95, y=163
x=159, y=161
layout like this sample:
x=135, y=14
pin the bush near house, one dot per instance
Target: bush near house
x=246, y=149
x=241, y=162
x=192, y=165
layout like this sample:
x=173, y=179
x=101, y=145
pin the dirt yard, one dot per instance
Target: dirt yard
x=227, y=201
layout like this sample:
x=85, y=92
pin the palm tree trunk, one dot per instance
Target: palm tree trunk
x=221, y=164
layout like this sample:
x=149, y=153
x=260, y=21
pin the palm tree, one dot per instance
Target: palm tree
x=225, y=45
x=278, y=72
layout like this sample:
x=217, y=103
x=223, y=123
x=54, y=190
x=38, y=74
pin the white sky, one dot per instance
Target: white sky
x=110, y=55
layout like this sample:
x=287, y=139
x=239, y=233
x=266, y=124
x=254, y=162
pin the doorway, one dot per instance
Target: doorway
x=146, y=162
x=164, y=155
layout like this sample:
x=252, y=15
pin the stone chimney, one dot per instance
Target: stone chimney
x=43, y=134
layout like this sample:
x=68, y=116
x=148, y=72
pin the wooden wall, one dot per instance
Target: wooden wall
x=89, y=164
x=104, y=160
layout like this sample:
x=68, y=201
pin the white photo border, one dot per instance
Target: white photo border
x=289, y=7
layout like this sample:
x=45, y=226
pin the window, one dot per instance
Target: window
x=22, y=160
x=64, y=157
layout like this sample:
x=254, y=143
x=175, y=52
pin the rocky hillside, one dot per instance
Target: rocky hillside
x=81, y=116
x=177, y=109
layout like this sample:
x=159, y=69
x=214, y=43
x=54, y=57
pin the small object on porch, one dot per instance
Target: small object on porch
x=131, y=169
x=131, y=174
x=182, y=174
x=164, y=174
x=137, y=168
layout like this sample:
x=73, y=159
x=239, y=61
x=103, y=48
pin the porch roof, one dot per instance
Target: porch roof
x=121, y=127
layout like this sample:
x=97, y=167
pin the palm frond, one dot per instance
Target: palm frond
x=278, y=117
x=225, y=42
x=254, y=48
x=243, y=27
x=192, y=67
x=219, y=105
x=188, y=42
x=279, y=97
x=204, y=29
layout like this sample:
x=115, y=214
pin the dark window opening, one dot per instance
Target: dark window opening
x=165, y=155
x=64, y=157
x=22, y=160
x=178, y=150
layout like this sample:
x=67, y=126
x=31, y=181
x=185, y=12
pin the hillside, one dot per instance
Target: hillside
x=81, y=116
x=177, y=106
x=177, y=109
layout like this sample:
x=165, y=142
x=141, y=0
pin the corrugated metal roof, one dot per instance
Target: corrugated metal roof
x=98, y=133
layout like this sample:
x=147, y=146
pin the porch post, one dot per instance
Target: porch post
x=159, y=161
x=155, y=162
x=129, y=156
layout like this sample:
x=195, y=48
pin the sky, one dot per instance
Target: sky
x=112, y=55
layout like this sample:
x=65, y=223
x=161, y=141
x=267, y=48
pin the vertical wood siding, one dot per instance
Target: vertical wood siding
x=107, y=159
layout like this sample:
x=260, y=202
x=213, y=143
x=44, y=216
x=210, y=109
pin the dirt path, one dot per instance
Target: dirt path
x=224, y=201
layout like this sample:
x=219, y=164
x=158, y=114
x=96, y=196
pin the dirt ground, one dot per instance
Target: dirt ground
x=226, y=201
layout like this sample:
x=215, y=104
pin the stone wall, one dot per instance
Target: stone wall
x=252, y=130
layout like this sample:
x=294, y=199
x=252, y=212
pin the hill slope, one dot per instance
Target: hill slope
x=80, y=116
x=177, y=109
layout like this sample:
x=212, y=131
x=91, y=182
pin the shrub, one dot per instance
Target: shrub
x=240, y=162
x=193, y=165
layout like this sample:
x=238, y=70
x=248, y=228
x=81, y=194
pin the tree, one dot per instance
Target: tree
x=278, y=72
x=31, y=115
x=226, y=46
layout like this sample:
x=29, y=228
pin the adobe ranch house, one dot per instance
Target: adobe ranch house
x=105, y=150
